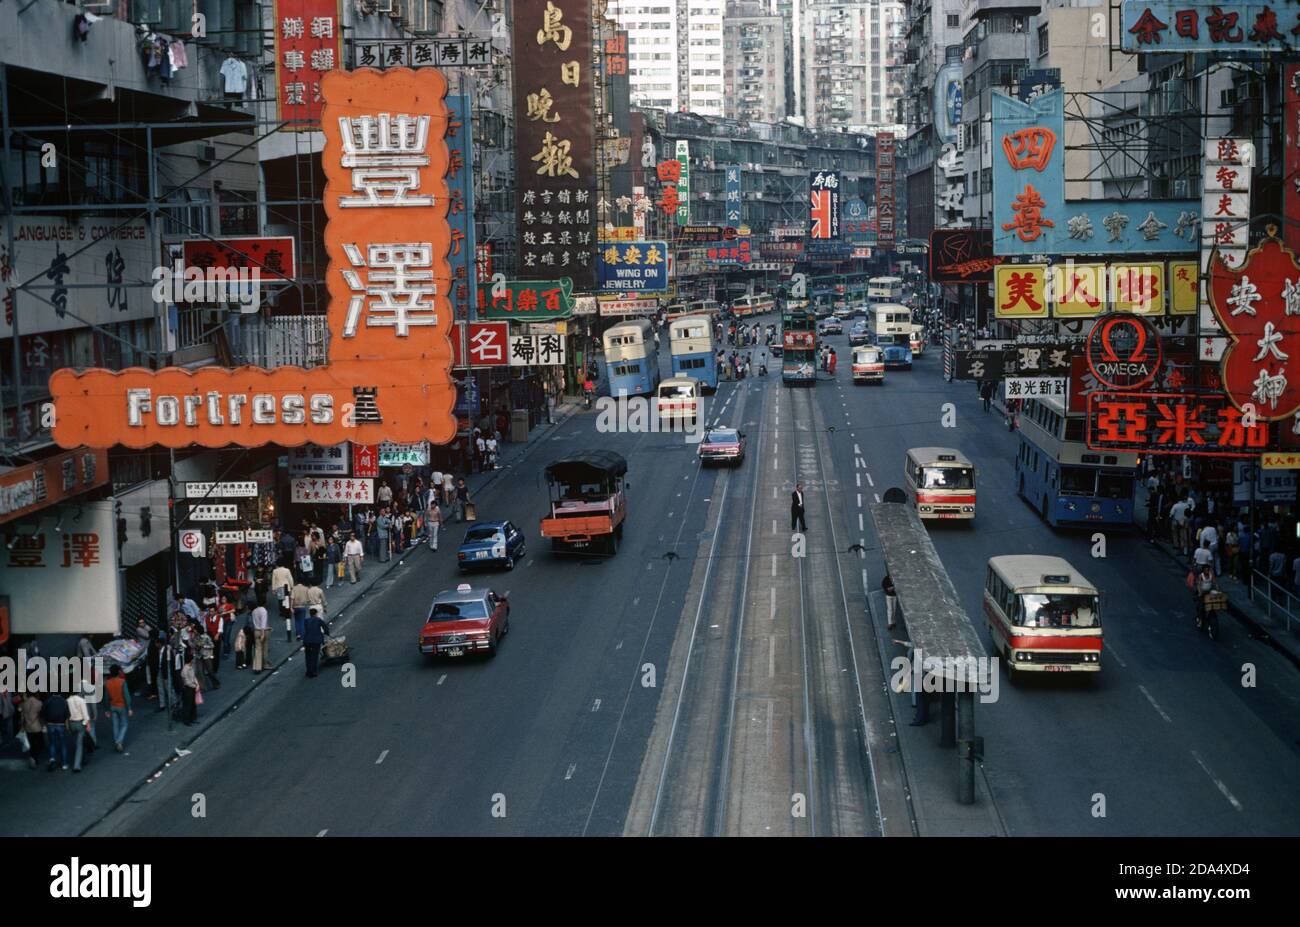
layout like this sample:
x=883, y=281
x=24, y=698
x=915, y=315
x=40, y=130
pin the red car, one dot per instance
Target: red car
x=467, y=620
x=722, y=445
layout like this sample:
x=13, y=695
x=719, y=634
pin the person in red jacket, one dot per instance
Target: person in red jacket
x=831, y=362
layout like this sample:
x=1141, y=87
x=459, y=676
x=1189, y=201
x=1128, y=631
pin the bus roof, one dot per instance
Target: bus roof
x=925, y=456
x=890, y=307
x=623, y=328
x=1032, y=570
x=885, y=280
x=1054, y=403
x=690, y=320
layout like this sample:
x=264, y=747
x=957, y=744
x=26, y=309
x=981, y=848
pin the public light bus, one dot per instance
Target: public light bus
x=709, y=307
x=631, y=359
x=1042, y=615
x=885, y=290
x=690, y=340
x=799, y=347
x=868, y=365
x=891, y=331
x=752, y=305
x=940, y=482
x=917, y=343
x=1057, y=474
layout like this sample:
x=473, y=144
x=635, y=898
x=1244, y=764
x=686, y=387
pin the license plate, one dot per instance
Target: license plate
x=480, y=555
x=426, y=648
x=455, y=652
x=1057, y=669
x=948, y=515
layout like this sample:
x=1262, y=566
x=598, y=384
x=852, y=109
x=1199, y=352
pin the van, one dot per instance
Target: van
x=678, y=400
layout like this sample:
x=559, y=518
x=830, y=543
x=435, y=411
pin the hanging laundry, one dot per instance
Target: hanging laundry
x=235, y=74
x=176, y=52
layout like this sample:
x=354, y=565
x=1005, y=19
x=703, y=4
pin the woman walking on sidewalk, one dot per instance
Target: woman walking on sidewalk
x=433, y=522
x=190, y=693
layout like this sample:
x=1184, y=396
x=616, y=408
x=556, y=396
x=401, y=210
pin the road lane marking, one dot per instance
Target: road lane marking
x=771, y=603
x=1217, y=781
x=596, y=706
x=859, y=500
x=858, y=478
x=771, y=655
x=860, y=527
x=381, y=757
x=442, y=679
x=773, y=564
x=774, y=526
x=856, y=449
x=1155, y=705
x=877, y=496
x=636, y=601
x=569, y=774
x=324, y=832
x=870, y=481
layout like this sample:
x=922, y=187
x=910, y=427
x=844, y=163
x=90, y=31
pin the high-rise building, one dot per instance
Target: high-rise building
x=851, y=56
x=675, y=53
x=754, y=62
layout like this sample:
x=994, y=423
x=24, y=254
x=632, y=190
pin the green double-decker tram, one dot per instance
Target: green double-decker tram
x=798, y=345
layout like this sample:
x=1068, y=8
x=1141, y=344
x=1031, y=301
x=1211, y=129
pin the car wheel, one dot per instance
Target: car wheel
x=510, y=563
x=492, y=647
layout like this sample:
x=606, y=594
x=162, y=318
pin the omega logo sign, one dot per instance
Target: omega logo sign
x=1123, y=351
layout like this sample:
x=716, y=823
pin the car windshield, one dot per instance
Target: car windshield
x=868, y=357
x=721, y=437
x=949, y=478
x=676, y=392
x=483, y=534
x=1057, y=610
x=458, y=611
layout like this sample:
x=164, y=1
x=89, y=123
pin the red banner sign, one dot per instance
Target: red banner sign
x=365, y=460
x=308, y=43
x=488, y=344
x=273, y=257
x=1171, y=423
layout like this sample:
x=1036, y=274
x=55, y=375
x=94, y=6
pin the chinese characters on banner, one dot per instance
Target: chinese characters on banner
x=443, y=52
x=537, y=350
x=1178, y=26
x=1291, y=156
x=272, y=257
x=344, y=491
x=398, y=455
x=1259, y=309
x=616, y=54
x=824, y=205
x=949, y=187
x=365, y=460
x=886, y=231
x=684, y=183
x=385, y=200
x=1184, y=287
x=1020, y=291
x=615, y=307
x=1138, y=288
x=308, y=43
x=1034, y=387
x=37, y=485
x=1078, y=290
x=637, y=265
x=1171, y=423
x=530, y=301
x=488, y=343
x=732, y=172
x=1225, y=224
x=554, y=141
x=1030, y=213
x=460, y=208
x=670, y=175
x=736, y=251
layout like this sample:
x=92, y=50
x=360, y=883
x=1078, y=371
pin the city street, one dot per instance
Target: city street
x=704, y=681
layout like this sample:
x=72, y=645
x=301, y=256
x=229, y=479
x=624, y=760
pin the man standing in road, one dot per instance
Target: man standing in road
x=261, y=639
x=353, y=553
x=796, y=509
x=313, y=636
x=1178, y=518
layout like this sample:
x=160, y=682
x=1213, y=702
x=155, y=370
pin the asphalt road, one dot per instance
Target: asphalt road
x=733, y=687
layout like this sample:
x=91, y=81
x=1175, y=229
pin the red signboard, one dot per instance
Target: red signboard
x=1171, y=423
x=488, y=344
x=365, y=460
x=1291, y=160
x=483, y=263
x=32, y=487
x=308, y=45
x=885, y=203
x=1258, y=306
x=273, y=257
x=1123, y=351
x=962, y=256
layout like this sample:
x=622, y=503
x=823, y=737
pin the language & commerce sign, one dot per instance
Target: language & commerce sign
x=1030, y=212
x=387, y=236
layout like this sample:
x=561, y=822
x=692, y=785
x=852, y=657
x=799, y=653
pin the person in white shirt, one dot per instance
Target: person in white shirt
x=261, y=639
x=1178, y=518
x=448, y=488
x=435, y=489
x=1210, y=539
x=492, y=453
x=78, y=726
x=353, y=553
x=1203, y=557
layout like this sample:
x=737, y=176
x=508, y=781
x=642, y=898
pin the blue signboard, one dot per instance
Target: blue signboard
x=733, y=196
x=1030, y=213
x=857, y=224
x=947, y=102
x=1197, y=25
x=460, y=208
x=633, y=265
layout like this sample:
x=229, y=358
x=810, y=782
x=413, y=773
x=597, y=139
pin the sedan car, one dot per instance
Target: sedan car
x=491, y=544
x=468, y=620
x=844, y=312
x=859, y=334
x=831, y=326
x=722, y=445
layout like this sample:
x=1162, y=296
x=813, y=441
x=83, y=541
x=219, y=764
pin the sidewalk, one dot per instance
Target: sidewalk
x=41, y=803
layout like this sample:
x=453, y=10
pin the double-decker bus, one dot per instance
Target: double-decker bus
x=857, y=290
x=799, y=347
x=1042, y=615
x=752, y=305
x=891, y=331
x=885, y=290
x=631, y=359
x=690, y=339
x=1058, y=475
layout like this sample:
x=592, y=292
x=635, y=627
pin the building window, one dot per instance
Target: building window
x=954, y=21
x=1042, y=40
x=237, y=212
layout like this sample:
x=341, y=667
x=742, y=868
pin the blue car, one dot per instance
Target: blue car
x=491, y=544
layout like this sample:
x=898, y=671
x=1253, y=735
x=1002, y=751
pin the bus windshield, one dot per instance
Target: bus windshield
x=948, y=478
x=676, y=391
x=1056, y=610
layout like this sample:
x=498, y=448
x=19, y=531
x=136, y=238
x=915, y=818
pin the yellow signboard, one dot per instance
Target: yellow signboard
x=1138, y=288
x=1280, y=461
x=1020, y=291
x=619, y=233
x=1078, y=290
x=1184, y=295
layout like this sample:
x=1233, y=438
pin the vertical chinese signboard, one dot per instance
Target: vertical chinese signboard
x=1028, y=172
x=385, y=162
x=554, y=141
x=684, y=183
x=885, y=205
x=733, y=196
x=1225, y=224
x=824, y=205
x=308, y=45
x=460, y=208
x=1291, y=158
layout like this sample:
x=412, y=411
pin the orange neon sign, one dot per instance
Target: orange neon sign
x=388, y=376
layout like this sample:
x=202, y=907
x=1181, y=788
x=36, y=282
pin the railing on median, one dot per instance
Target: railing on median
x=1275, y=597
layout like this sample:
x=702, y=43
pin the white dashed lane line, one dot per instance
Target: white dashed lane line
x=381, y=757
x=1155, y=704
x=1232, y=799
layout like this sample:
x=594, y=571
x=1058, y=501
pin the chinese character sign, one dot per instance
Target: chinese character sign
x=1020, y=291
x=1258, y=306
x=824, y=205
x=1138, y=288
x=1291, y=156
x=336, y=490
x=734, y=216
x=555, y=180
x=1078, y=290
x=530, y=301
x=487, y=343
x=273, y=258
x=684, y=183
x=886, y=204
x=1171, y=423
x=386, y=202
x=537, y=350
x=1178, y=26
x=460, y=208
x=1184, y=287
x=635, y=265
x=441, y=52
x=308, y=45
